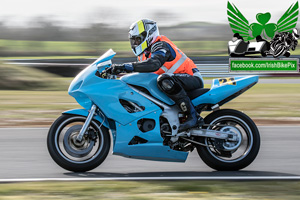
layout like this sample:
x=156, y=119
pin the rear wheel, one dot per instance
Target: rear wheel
x=264, y=54
x=71, y=154
x=230, y=155
x=237, y=55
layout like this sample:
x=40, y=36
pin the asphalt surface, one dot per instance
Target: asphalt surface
x=23, y=154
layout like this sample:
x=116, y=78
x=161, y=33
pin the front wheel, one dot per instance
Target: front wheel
x=231, y=154
x=76, y=156
x=279, y=50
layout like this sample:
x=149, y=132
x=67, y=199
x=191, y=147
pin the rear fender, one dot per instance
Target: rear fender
x=83, y=112
x=225, y=89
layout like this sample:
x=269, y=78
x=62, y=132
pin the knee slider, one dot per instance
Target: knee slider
x=166, y=83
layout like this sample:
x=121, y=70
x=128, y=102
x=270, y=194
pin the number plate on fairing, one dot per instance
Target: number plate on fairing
x=227, y=81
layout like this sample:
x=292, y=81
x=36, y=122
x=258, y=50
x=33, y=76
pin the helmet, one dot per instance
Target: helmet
x=295, y=34
x=142, y=34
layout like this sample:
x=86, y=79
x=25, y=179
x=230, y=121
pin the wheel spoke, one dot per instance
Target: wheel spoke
x=76, y=156
x=236, y=150
x=70, y=149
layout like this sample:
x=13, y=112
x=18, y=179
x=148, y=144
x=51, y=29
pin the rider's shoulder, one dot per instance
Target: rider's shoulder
x=158, y=46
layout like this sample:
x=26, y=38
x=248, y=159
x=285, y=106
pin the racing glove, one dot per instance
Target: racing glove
x=119, y=68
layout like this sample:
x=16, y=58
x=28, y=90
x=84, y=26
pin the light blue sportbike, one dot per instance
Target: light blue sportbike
x=143, y=122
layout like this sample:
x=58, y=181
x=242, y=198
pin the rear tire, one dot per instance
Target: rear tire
x=63, y=149
x=237, y=55
x=248, y=147
x=263, y=54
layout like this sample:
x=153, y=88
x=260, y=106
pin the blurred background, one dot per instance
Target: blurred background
x=88, y=28
x=44, y=44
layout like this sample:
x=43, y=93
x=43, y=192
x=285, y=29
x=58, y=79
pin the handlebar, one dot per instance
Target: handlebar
x=106, y=73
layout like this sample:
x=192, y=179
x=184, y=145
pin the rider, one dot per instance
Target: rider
x=177, y=73
x=290, y=38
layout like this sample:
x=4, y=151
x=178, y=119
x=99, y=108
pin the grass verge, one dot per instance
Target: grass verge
x=144, y=190
x=13, y=77
x=52, y=48
x=76, y=49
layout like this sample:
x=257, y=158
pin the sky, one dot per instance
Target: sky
x=78, y=13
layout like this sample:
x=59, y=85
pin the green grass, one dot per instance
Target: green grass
x=263, y=101
x=146, y=190
x=55, y=48
x=16, y=77
x=269, y=101
x=75, y=49
x=19, y=108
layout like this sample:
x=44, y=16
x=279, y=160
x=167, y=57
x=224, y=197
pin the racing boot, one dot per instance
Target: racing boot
x=193, y=118
x=175, y=91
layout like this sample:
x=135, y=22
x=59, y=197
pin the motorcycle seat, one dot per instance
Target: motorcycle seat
x=193, y=94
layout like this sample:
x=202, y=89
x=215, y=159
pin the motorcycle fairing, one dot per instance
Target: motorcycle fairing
x=88, y=72
x=107, y=56
x=86, y=84
x=148, y=81
x=153, y=149
x=83, y=112
x=224, y=90
x=218, y=92
x=108, y=99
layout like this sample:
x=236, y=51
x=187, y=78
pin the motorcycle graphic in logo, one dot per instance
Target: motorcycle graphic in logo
x=263, y=30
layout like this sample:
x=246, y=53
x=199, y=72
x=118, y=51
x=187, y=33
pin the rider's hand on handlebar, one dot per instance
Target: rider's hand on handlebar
x=105, y=72
x=119, y=68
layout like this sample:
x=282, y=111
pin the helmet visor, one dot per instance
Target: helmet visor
x=136, y=40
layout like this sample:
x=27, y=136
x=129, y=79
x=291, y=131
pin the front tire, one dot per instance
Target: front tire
x=278, y=51
x=230, y=159
x=72, y=155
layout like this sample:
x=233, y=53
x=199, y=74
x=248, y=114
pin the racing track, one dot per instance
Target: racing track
x=24, y=155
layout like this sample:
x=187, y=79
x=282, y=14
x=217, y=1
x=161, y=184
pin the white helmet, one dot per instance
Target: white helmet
x=142, y=34
x=295, y=34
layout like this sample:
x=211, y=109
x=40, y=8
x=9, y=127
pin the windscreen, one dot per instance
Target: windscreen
x=105, y=57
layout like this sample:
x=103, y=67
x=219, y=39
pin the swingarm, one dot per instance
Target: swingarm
x=227, y=133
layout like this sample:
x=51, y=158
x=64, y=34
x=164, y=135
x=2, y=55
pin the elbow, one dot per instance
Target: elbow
x=156, y=65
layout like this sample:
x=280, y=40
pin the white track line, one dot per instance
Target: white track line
x=155, y=178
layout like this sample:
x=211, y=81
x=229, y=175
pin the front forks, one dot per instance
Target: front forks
x=86, y=123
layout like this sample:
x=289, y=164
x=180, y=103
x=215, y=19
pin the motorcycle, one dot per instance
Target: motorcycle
x=282, y=43
x=143, y=122
x=237, y=47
